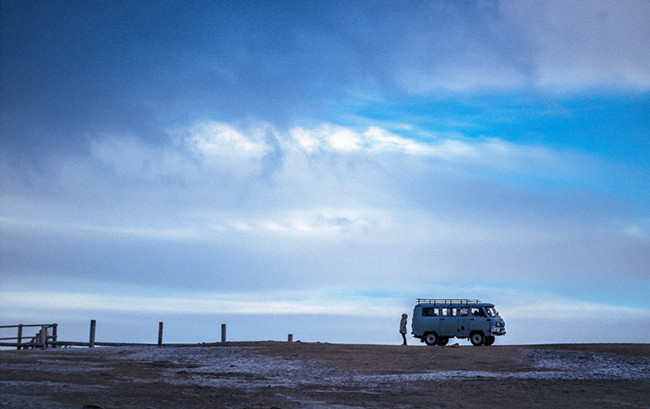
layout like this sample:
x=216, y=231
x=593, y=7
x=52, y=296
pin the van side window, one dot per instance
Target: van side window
x=449, y=312
x=477, y=312
x=429, y=312
x=463, y=312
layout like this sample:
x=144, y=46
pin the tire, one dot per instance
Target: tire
x=442, y=341
x=489, y=341
x=477, y=339
x=430, y=338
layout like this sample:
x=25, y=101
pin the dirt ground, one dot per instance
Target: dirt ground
x=320, y=375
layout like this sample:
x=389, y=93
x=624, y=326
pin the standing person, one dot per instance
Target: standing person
x=402, y=327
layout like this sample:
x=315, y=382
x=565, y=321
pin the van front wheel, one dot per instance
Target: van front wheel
x=488, y=341
x=477, y=339
x=430, y=338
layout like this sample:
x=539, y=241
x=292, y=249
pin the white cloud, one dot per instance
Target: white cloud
x=222, y=148
x=222, y=145
x=307, y=303
x=564, y=309
x=217, y=139
x=343, y=140
x=382, y=140
x=79, y=229
x=325, y=221
x=491, y=152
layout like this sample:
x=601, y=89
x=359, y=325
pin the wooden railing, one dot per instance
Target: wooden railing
x=45, y=337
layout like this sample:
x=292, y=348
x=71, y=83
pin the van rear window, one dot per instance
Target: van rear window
x=429, y=312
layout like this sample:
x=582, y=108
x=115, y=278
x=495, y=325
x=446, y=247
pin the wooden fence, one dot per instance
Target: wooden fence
x=45, y=337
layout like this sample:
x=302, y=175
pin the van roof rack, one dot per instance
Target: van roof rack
x=465, y=301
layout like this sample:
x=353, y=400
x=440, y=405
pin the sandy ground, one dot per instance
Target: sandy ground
x=320, y=375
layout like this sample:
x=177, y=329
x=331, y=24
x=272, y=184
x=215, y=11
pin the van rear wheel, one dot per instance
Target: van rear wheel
x=430, y=338
x=477, y=339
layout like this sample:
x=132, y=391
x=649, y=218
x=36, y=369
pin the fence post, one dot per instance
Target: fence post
x=54, y=326
x=43, y=339
x=91, y=341
x=20, y=335
x=223, y=332
x=160, y=333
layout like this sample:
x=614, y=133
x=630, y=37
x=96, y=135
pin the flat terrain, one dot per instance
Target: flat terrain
x=319, y=375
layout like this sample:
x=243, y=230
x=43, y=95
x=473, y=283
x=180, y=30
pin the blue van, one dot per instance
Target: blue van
x=435, y=320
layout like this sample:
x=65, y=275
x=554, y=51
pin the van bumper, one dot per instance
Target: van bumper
x=498, y=330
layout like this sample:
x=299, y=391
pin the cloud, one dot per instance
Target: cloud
x=318, y=169
x=352, y=302
x=217, y=147
x=220, y=143
x=548, y=46
x=491, y=152
x=585, y=45
x=363, y=203
x=225, y=64
x=203, y=303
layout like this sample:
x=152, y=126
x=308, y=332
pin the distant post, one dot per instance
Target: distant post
x=223, y=332
x=290, y=338
x=54, y=335
x=20, y=335
x=160, y=333
x=91, y=341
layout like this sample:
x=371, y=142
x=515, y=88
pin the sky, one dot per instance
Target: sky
x=313, y=167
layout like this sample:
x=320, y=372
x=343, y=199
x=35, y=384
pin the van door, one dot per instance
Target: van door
x=464, y=323
x=429, y=320
x=478, y=320
x=448, y=322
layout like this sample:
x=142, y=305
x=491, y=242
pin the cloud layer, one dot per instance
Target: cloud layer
x=286, y=207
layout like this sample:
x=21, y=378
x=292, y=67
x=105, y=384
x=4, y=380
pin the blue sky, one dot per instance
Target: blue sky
x=313, y=167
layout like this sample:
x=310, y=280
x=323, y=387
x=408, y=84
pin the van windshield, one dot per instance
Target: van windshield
x=492, y=312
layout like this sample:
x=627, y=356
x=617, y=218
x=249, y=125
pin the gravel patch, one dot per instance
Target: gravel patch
x=562, y=364
x=226, y=366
